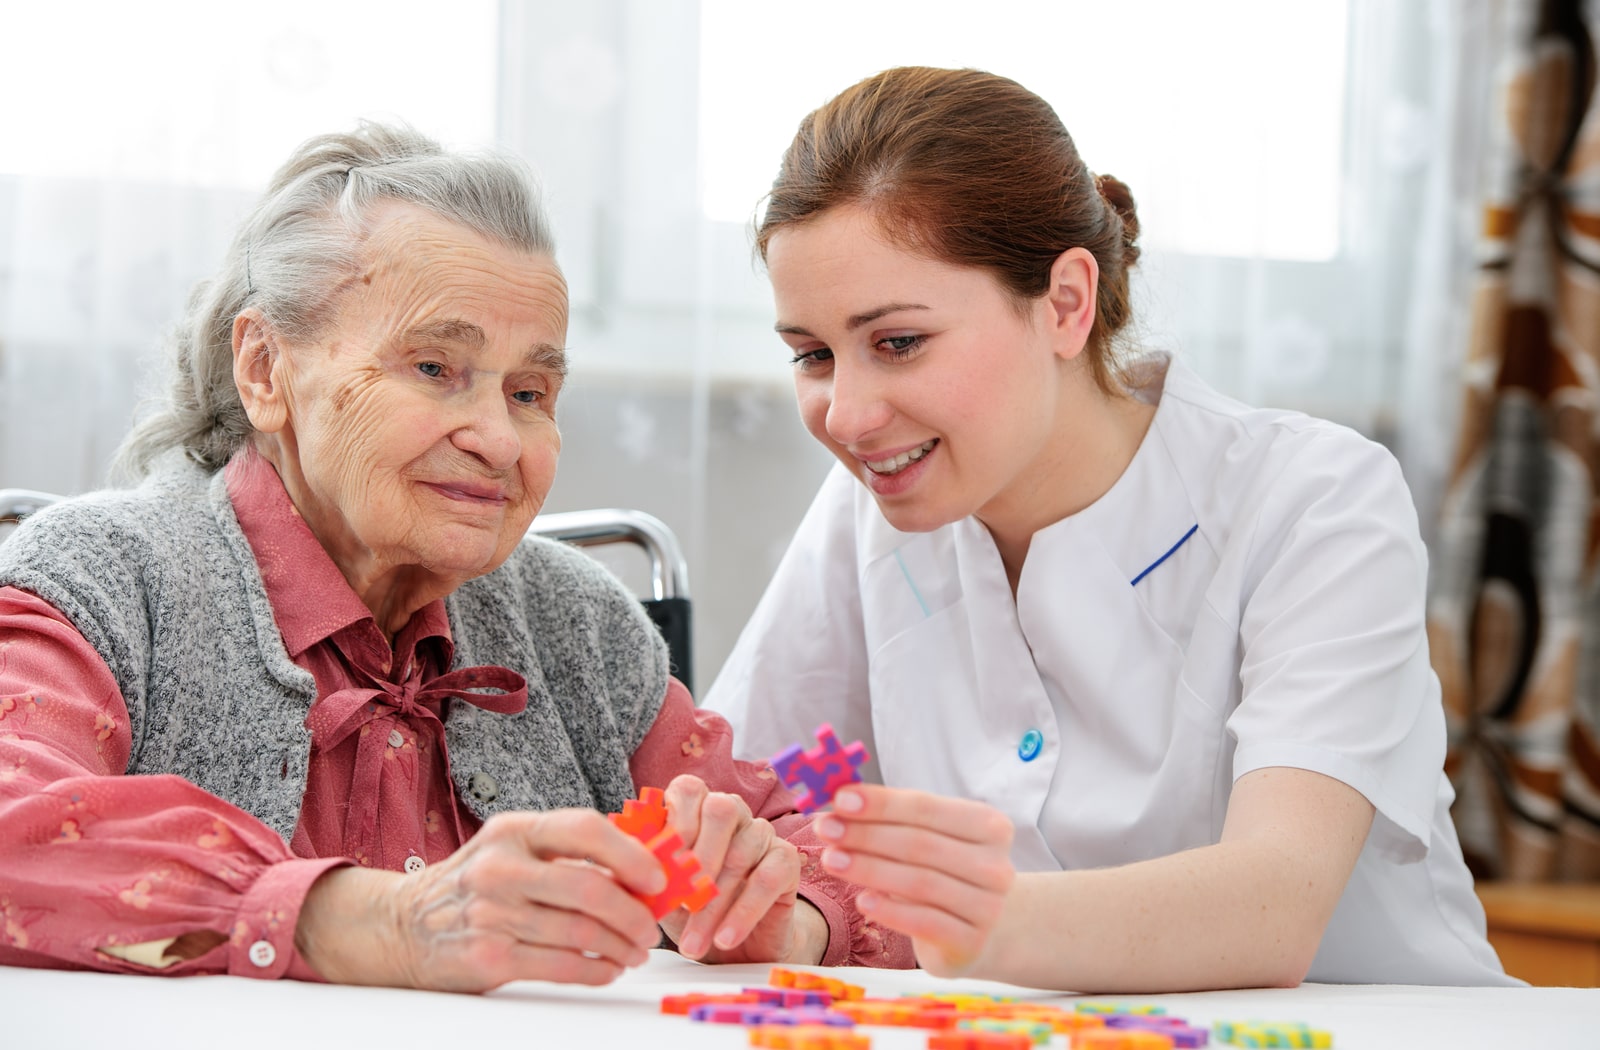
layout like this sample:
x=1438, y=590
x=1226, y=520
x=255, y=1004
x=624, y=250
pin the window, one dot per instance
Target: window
x=1225, y=119
x=207, y=94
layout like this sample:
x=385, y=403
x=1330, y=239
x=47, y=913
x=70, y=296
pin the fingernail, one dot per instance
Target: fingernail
x=830, y=828
x=692, y=946
x=837, y=859
x=848, y=801
x=866, y=900
x=727, y=937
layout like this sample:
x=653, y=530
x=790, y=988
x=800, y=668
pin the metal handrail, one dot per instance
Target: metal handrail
x=669, y=573
x=16, y=504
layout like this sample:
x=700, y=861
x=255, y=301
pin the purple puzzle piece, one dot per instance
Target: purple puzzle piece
x=818, y=773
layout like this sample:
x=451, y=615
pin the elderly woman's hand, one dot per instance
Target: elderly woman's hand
x=756, y=916
x=531, y=896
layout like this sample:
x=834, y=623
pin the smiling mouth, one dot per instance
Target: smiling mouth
x=895, y=464
x=469, y=493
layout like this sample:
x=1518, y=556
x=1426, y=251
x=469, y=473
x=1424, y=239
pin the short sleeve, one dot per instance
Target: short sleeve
x=1334, y=669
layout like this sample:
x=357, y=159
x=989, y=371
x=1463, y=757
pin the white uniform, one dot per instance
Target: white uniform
x=1248, y=594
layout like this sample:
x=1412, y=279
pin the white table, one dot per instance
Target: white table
x=42, y=1009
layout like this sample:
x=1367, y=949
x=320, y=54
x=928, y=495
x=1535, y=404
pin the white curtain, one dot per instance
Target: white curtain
x=1463, y=40
x=679, y=403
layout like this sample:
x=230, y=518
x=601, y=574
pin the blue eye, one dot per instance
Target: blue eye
x=529, y=397
x=815, y=357
x=431, y=369
x=901, y=345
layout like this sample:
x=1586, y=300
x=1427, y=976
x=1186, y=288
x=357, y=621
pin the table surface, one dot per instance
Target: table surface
x=48, y=1009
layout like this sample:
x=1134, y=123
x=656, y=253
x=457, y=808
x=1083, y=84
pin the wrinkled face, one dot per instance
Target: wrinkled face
x=922, y=377
x=420, y=430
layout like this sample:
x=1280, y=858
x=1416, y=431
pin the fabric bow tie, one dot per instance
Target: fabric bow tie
x=376, y=709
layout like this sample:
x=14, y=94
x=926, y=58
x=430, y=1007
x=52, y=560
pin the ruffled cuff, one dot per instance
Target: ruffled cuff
x=853, y=940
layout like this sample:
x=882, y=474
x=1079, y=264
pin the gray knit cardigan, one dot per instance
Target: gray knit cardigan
x=162, y=582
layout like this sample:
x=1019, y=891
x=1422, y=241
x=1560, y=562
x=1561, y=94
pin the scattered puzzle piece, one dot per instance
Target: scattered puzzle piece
x=807, y=1037
x=686, y=885
x=964, y=1039
x=790, y=997
x=785, y=978
x=1121, y=1039
x=806, y=1015
x=816, y=774
x=964, y=999
x=682, y=1004
x=1064, y=1021
x=1037, y=1031
x=906, y=1013
x=794, y=1015
x=1181, y=1032
x=1271, y=1033
x=730, y=1013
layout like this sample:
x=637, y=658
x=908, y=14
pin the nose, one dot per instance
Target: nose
x=489, y=433
x=857, y=405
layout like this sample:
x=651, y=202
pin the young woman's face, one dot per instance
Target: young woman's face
x=923, y=377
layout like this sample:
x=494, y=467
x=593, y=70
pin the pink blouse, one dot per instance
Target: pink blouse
x=148, y=874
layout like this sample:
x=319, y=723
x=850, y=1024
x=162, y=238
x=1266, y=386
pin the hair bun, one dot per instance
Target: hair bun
x=1117, y=194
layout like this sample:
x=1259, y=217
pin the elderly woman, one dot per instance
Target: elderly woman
x=305, y=702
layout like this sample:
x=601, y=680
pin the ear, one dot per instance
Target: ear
x=1070, y=300
x=259, y=372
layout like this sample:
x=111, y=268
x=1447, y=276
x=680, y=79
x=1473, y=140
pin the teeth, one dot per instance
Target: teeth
x=895, y=464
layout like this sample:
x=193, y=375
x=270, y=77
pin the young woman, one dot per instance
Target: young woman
x=1143, y=668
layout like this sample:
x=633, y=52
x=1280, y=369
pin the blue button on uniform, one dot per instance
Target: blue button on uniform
x=1032, y=744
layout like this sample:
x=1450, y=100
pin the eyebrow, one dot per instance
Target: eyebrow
x=547, y=357
x=544, y=356
x=450, y=330
x=854, y=321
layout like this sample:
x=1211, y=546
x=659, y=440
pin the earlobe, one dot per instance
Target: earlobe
x=258, y=372
x=1074, y=284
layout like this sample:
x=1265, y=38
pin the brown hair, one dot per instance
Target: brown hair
x=969, y=168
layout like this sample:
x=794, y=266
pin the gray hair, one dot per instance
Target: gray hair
x=299, y=245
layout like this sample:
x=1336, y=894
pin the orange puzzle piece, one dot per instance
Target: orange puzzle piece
x=781, y=977
x=644, y=817
x=807, y=1037
x=969, y=1040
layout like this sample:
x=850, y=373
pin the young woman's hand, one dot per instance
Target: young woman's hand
x=755, y=916
x=935, y=868
x=532, y=896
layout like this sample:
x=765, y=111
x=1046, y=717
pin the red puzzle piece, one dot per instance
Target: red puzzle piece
x=686, y=885
x=816, y=774
x=646, y=820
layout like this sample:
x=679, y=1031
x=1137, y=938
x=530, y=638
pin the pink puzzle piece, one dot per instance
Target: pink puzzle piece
x=816, y=774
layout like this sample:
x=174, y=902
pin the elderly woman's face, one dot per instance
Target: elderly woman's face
x=420, y=429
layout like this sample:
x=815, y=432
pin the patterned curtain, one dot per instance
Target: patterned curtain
x=1514, y=611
